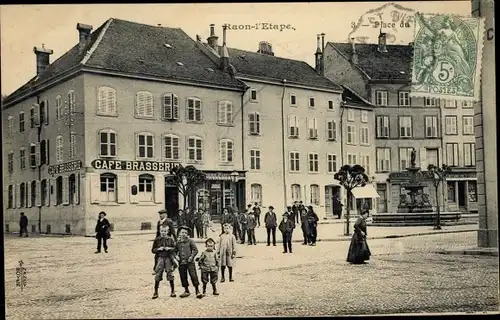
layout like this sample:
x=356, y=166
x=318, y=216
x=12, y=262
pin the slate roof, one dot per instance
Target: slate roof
x=381, y=65
x=353, y=99
x=136, y=48
x=274, y=68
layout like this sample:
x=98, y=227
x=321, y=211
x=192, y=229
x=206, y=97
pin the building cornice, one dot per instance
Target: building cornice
x=288, y=84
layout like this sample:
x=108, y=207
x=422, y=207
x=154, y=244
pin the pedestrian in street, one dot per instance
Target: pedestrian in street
x=236, y=223
x=226, y=218
x=337, y=206
x=271, y=224
x=190, y=221
x=164, y=247
x=206, y=221
x=304, y=225
x=286, y=227
x=251, y=225
x=312, y=220
x=257, y=212
x=23, y=225
x=227, y=252
x=102, y=232
x=243, y=221
x=198, y=224
x=186, y=250
x=181, y=220
x=359, y=252
x=164, y=221
x=208, y=263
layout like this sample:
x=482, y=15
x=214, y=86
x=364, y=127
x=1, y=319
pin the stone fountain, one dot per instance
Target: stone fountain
x=416, y=200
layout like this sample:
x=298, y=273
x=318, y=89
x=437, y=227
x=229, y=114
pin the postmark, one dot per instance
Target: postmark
x=393, y=19
x=447, y=57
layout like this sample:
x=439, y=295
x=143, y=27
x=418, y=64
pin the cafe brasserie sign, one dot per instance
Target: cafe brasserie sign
x=133, y=165
x=65, y=167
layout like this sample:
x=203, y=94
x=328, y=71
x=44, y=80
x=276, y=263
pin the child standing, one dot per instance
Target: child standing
x=251, y=225
x=206, y=221
x=227, y=252
x=164, y=249
x=286, y=227
x=187, y=251
x=209, y=266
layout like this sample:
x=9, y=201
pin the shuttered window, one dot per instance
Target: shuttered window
x=170, y=107
x=106, y=101
x=59, y=149
x=144, y=106
x=171, y=147
x=225, y=112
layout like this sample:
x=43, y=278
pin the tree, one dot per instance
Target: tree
x=186, y=179
x=437, y=175
x=351, y=177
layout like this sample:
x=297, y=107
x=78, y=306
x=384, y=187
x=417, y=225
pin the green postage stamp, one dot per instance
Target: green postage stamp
x=447, y=57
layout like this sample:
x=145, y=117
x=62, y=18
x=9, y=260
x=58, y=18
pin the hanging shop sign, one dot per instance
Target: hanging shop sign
x=133, y=165
x=65, y=167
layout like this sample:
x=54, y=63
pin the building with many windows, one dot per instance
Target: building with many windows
x=101, y=127
x=439, y=131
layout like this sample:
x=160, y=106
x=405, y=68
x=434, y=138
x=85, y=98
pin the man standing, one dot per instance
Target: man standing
x=243, y=221
x=181, y=220
x=296, y=211
x=190, y=222
x=257, y=213
x=23, y=225
x=291, y=214
x=271, y=224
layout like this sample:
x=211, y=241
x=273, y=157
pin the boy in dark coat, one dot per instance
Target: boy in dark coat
x=286, y=227
x=186, y=250
x=209, y=266
x=271, y=223
x=312, y=220
x=164, y=249
x=23, y=225
x=164, y=221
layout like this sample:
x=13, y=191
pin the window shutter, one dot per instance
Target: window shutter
x=95, y=187
x=38, y=197
x=47, y=152
x=101, y=101
x=149, y=109
x=423, y=159
x=111, y=101
x=134, y=180
x=65, y=193
x=46, y=111
x=159, y=186
x=36, y=107
x=223, y=151
x=167, y=107
x=198, y=110
x=334, y=129
x=175, y=148
x=122, y=188
x=257, y=123
x=47, y=192
x=17, y=199
x=28, y=195
x=175, y=107
x=229, y=112
x=221, y=113
x=76, y=197
x=37, y=154
x=140, y=104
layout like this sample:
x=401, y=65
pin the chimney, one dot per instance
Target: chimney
x=224, y=28
x=319, y=55
x=84, y=31
x=265, y=48
x=382, y=45
x=213, y=39
x=42, y=58
x=224, y=53
x=322, y=53
x=354, y=57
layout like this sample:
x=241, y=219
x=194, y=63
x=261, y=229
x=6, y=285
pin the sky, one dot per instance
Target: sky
x=24, y=26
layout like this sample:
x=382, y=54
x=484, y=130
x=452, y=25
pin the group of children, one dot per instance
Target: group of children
x=172, y=253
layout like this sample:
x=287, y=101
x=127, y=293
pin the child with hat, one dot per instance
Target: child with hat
x=227, y=252
x=209, y=266
x=187, y=251
x=164, y=249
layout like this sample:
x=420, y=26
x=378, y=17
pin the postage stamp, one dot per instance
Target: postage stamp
x=447, y=57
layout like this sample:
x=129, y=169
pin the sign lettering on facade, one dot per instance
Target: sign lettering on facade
x=133, y=165
x=65, y=167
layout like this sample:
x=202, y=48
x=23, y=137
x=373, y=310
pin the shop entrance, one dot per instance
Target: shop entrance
x=171, y=201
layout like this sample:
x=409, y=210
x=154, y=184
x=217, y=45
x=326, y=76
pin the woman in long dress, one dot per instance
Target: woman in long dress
x=359, y=252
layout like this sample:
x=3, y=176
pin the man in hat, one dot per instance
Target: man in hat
x=187, y=251
x=270, y=221
x=102, y=232
x=23, y=225
x=164, y=221
x=286, y=227
x=209, y=266
x=291, y=214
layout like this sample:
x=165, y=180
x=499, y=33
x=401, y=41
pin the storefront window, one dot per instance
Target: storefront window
x=203, y=199
x=451, y=191
x=472, y=191
x=146, y=183
x=229, y=199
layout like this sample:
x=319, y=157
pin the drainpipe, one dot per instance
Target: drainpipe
x=342, y=104
x=440, y=127
x=243, y=139
x=283, y=140
x=39, y=166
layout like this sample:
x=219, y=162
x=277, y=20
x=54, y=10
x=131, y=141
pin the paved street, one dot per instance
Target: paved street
x=66, y=280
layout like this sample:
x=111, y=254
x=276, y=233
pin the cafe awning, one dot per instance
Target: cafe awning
x=225, y=176
x=367, y=191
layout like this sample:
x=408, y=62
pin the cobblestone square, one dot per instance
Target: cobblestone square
x=67, y=280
